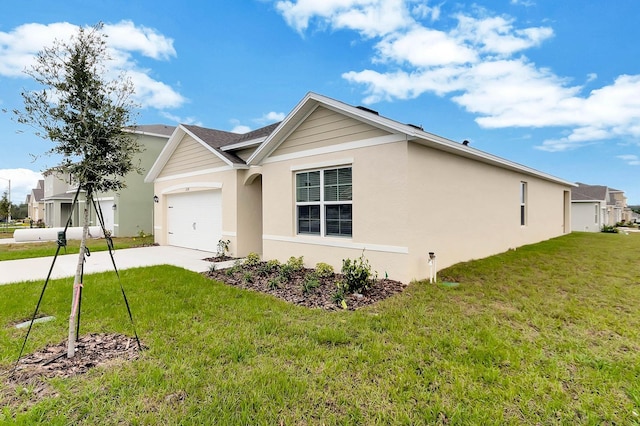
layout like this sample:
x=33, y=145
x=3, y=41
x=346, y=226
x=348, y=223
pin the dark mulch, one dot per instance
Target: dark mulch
x=92, y=350
x=222, y=258
x=323, y=296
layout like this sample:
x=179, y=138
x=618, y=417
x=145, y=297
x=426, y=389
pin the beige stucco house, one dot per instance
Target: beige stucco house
x=333, y=180
x=35, y=203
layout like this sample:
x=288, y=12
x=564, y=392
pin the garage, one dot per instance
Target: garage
x=194, y=219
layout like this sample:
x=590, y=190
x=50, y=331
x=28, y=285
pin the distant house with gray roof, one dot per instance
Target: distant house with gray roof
x=594, y=206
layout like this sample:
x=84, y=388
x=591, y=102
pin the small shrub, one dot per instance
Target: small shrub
x=310, y=283
x=357, y=274
x=609, y=229
x=274, y=283
x=286, y=272
x=253, y=259
x=247, y=277
x=267, y=268
x=212, y=267
x=296, y=263
x=237, y=265
x=324, y=270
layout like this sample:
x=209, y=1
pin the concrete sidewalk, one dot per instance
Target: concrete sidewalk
x=12, y=271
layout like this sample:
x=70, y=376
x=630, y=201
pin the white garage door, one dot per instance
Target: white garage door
x=194, y=220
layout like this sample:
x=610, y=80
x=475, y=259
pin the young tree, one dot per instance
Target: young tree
x=84, y=113
x=5, y=205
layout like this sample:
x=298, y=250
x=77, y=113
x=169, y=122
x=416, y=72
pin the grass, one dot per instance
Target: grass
x=16, y=251
x=546, y=334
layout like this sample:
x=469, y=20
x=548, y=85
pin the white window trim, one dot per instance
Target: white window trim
x=524, y=219
x=322, y=202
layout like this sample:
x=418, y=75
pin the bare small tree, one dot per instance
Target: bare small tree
x=85, y=114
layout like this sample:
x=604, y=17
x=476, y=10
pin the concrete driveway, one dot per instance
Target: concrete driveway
x=12, y=271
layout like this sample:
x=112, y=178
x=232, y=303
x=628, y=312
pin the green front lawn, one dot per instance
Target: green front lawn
x=16, y=251
x=546, y=334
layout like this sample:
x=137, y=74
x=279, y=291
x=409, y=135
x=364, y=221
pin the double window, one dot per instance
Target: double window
x=324, y=202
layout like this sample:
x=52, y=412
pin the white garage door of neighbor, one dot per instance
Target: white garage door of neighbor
x=106, y=207
x=194, y=220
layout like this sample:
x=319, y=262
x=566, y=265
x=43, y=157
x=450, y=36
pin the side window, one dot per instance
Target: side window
x=324, y=202
x=523, y=203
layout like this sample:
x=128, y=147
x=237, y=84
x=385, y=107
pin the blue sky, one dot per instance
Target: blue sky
x=554, y=85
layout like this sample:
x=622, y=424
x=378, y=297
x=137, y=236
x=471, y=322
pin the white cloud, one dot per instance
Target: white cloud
x=424, y=47
x=497, y=35
x=630, y=159
x=19, y=47
x=368, y=17
x=181, y=120
x=526, y=3
x=22, y=182
x=479, y=64
x=126, y=36
x=271, y=117
x=239, y=128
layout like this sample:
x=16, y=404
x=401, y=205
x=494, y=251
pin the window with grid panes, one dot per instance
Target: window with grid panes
x=324, y=202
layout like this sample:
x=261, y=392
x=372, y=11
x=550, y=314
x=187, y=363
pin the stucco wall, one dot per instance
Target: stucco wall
x=409, y=200
x=462, y=209
x=380, y=213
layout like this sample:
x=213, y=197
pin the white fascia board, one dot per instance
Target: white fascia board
x=446, y=145
x=140, y=132
x=312, y=100
x=244, y=144
x=212, y=150
x=165, y=154
x=265, y=148
x=171, y=146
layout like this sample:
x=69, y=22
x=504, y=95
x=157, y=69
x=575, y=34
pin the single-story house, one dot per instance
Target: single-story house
x=127, y=212
x=589, y=212
x=595, y=206
x=334, y=181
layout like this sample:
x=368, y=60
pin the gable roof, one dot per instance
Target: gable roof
x=411, y=133
x=161, y=130
x=584, y=192
x=219, y=142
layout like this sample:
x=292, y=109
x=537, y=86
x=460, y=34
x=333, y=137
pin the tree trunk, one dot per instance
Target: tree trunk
x=77, y=284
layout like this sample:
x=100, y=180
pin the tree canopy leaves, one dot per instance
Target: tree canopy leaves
x=83, y=111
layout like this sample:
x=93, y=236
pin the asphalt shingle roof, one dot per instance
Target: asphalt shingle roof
x=217, y=139
x=584, y=192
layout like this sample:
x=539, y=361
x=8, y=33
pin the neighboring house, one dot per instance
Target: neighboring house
x=618, y=202
x=125, y=213
x=589, y=207
x=35, y=205
x=332, y=181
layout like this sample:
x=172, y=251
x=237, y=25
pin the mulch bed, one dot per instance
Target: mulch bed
x=92, y=350
x=292, y=291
